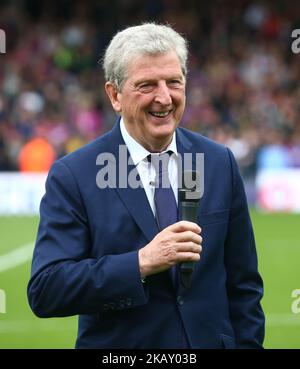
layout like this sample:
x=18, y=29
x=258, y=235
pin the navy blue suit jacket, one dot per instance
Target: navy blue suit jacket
x=86, y=258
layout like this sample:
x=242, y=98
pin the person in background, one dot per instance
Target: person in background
x=37, y=155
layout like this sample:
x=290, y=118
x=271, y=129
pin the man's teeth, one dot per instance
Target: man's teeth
x=160, y=114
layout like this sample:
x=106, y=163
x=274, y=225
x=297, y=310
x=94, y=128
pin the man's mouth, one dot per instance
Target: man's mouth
x=160, y=114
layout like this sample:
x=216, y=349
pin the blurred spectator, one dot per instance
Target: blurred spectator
x=37, y=155
x=274, y=154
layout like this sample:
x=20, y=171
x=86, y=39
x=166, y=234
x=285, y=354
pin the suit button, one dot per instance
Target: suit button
x=180, y=300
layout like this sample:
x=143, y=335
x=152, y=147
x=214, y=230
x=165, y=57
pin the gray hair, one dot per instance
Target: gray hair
x=146, y=39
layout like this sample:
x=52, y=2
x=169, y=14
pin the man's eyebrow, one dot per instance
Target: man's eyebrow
x=177, y=76
x=154, y=80
x=145, y=80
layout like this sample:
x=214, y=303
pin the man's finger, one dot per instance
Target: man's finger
x=188, y=247
x=184, y=225
x=187, y=236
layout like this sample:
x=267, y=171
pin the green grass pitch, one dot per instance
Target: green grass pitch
x=278, y=246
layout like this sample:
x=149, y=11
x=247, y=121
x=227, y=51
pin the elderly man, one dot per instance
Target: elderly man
x=113, y=253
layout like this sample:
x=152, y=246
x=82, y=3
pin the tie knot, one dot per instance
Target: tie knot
x=160, y=161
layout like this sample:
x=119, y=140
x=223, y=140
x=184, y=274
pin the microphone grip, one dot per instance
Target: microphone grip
x=188, y=212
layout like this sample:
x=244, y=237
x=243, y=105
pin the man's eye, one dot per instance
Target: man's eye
x=146, y=87
x=175, y=82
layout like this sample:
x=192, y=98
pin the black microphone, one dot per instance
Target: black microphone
x=189, y=196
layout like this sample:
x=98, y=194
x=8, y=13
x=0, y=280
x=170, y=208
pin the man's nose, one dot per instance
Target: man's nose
x=162, y=95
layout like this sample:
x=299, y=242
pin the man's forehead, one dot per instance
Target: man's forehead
x=159, y=64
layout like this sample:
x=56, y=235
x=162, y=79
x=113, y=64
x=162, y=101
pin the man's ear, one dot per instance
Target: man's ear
x=114, y=96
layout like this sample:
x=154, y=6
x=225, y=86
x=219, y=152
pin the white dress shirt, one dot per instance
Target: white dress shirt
x=145, y=169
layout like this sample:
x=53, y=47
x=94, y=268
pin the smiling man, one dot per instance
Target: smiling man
x=152, y=99
x=113, y=255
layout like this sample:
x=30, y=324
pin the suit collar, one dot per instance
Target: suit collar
x=134, y=199
x=136, y=150
x=184, y=145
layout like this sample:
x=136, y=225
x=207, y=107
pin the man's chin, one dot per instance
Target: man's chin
x=163, y=128
x=160, y=142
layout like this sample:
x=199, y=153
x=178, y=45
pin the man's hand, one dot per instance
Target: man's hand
x=180, y=242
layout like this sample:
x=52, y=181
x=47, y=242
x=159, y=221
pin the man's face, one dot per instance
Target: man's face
x=152, y=100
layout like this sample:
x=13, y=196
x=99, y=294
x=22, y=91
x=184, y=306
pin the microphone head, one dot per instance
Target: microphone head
x=190, y=186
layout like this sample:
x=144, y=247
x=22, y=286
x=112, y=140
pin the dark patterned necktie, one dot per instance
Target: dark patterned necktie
x=164, y=198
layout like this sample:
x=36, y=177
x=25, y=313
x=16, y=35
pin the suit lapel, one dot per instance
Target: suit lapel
x=138, y=206
x=135, y=199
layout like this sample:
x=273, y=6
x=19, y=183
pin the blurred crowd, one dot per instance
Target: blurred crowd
x=243, y=85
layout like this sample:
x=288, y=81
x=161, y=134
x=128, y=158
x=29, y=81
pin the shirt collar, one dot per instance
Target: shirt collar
x=136, y=150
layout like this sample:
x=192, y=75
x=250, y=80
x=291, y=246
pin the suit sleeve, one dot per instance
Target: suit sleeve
x=244, y=284
x=65, y=280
